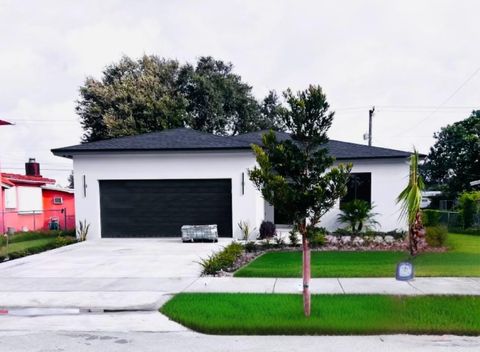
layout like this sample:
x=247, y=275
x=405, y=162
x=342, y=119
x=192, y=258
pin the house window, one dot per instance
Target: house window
x=29, y=200
x=11, y=198
x=359, y=187
x=282, y=217
x=57, y=200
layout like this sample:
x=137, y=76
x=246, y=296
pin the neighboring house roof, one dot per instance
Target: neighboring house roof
x=185, y=139
x=58, y=188
x=17, y=178
x=5, y=123
x=5, y=183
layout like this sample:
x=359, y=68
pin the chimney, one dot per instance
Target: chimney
x=32, y=168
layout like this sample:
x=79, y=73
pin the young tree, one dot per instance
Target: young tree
x=296, y=174
x=453, y=161
x=410, y=199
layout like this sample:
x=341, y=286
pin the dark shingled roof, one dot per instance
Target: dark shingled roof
x=185, y=139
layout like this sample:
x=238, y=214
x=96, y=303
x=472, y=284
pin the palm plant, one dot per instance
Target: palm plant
x=357, y=213
x=410, y=199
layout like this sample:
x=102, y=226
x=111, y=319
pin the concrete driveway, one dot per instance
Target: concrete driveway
x=114, y=274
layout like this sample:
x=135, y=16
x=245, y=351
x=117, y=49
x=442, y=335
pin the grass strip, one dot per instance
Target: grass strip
x=282, y=314
x=463, y=259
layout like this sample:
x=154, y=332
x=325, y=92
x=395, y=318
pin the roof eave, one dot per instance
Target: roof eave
x=71, y=152
x=373, y=157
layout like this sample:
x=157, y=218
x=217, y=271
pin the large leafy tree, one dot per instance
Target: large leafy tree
x=152, y=94
x=217, y=99
x=297, y=175
x=454, y=160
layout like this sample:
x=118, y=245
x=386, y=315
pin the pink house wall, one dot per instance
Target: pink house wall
x=65, y=212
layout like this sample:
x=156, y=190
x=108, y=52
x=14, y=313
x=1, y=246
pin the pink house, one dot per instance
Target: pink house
x=33, y=202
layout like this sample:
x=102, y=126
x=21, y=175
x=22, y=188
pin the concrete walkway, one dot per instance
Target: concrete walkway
x=150, y=294
x=108, y=274
x=419, y=286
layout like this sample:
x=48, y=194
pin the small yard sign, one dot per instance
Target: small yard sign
x=405, y=271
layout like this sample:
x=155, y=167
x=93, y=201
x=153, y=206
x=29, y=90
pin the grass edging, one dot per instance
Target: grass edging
x=52, y=243
x=282, y=314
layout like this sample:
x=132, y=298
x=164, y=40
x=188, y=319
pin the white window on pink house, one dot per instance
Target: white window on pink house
x=30, y=200
x=11, y=198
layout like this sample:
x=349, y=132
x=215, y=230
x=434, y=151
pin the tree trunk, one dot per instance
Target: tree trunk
x=306, y=274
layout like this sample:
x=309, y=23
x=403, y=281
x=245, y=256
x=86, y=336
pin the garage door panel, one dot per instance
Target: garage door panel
x=158, y=208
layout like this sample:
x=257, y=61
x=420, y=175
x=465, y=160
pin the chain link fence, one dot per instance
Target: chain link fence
x=453, y=219
x=36, y=220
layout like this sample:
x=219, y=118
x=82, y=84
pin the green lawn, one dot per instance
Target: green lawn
x=20, y=246
x=276, y=314
x=462, y=259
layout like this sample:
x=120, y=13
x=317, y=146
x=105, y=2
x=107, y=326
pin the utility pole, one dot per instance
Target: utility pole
x=370, y=117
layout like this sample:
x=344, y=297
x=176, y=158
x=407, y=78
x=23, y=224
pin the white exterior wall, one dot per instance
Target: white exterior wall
x=389, y=178
x=173, y=165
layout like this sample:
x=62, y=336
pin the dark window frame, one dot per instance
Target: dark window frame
x=359, y=187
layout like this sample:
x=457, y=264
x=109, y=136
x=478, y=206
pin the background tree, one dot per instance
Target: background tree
x=71, y=181
x=297, y=175
x=454, y=159
x=271, y=110
x=152, y=94
x=217, y=99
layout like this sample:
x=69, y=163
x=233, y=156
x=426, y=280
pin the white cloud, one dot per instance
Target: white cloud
x=366, y=53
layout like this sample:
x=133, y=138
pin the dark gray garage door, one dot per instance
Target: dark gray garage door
x=158, y=208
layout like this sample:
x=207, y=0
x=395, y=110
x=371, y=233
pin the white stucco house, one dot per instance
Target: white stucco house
x=150, y=185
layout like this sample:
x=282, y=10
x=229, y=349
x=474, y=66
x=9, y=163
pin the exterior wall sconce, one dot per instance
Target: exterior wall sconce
x=84, y=184
x=243, y=183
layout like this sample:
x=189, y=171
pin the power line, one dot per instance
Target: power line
x=469, y=78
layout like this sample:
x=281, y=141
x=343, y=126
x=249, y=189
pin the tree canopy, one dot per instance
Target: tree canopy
x=297, y=175
x=454, y=160
x=152, y=93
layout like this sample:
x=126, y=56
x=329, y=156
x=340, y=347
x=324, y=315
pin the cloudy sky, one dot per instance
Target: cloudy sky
x=417, y=61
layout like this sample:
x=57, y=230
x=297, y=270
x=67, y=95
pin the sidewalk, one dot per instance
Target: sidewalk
x=419, y=286
x=147, y=294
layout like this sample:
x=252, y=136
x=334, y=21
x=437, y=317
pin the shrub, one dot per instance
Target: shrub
x=267, y=230
x=293, y=238
x=223, y=260
x=316, y=235
x=436, y=236
x=468, y=205
x=431, y=217
x=344, y=232
x=36, y=235
x=250, y=247
x=472, y=231
x=60, y=241
x=279, y=241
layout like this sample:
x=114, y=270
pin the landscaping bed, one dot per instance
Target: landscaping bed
x=279, y=314
x=27, y=243
x=462, y=259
